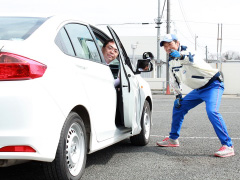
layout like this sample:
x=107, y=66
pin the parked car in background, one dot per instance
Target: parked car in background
x=58, y=102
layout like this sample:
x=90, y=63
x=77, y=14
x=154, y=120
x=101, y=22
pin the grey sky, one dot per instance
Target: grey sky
x=188, y=17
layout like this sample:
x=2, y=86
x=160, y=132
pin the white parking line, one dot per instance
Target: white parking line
x=201, y=112
x=193, y=137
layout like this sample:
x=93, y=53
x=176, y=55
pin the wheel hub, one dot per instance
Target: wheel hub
x=147, y=124
x=75, y=149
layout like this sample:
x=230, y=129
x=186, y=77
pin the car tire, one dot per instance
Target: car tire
x=70, y=160
x=142, y=139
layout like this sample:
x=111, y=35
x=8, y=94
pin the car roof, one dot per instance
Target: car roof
x=60, y=17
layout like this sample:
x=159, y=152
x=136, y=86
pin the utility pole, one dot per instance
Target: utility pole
x=219, y=40
x=158, y=22
x=134, y=47
x=221, y=50
x=217, y=46
x=206, y=53
x=167, y=57
x=196, y=42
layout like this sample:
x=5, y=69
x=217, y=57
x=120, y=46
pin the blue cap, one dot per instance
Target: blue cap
x=168, y=38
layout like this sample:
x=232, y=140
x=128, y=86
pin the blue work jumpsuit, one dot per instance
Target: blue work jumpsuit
x=208, y=87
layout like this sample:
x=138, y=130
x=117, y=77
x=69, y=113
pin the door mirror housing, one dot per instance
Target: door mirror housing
x=145, y=65
x=148, y=55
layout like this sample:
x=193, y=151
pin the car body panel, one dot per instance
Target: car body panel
x=33, y=111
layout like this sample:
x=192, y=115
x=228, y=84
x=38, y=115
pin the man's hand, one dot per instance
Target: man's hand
x=177, y=102
x=174, y=54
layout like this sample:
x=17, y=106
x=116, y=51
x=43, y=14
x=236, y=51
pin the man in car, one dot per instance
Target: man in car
x=185, y=66
x=110, y=52
x=143, y=66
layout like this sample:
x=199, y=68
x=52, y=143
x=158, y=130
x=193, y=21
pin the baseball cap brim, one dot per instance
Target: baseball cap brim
x=168, y=38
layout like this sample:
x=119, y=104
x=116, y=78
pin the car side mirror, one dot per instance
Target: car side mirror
x=148, y=55
x=144, y=65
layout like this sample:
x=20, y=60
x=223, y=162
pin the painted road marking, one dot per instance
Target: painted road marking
x=192, y=137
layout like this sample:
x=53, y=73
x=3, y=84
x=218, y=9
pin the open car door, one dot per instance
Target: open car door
x=129, y=88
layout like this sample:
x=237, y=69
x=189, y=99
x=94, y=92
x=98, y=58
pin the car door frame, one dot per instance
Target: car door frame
x=131, y=98
x=103, y=125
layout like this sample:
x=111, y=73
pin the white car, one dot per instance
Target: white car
x=57, y=96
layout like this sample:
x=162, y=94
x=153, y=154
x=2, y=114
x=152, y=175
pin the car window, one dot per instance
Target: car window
x=83, y=42
x=122, y=50
x=101, y=38
x=19, y=28
x=64, y=43
x=100, y=43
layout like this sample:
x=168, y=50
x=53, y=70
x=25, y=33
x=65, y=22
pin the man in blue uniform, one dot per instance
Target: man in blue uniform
x=186, y=67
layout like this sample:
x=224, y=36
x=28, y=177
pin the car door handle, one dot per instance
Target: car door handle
x=81, y=67
x=125, y=85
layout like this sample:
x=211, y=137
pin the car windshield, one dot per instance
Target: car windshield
x=19, y=28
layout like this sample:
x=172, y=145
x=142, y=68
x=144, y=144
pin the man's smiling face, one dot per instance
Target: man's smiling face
x=110, y=52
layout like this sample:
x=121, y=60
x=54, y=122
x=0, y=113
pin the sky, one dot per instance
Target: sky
x=189, y=18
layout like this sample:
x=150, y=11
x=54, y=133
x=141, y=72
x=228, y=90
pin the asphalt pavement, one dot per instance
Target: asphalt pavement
x=194, y=158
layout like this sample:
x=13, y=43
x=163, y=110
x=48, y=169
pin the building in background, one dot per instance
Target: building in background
x=137, y=45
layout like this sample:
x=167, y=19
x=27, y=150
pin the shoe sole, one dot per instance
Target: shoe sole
x=169, y=145
x=227, y=155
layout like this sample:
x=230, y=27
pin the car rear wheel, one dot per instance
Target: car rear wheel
x=142, y=139
x=70, y=160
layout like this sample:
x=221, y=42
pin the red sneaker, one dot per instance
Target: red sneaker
x=225, y=151
x=168, y=142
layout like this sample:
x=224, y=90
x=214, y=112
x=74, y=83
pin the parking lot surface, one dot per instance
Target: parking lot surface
x=192, y=160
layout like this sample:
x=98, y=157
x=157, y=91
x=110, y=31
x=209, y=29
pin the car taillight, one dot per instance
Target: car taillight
x=15, y=67
x=17, y=149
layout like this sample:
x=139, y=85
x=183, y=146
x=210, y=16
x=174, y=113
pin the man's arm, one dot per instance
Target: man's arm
x=185, y=56
x=175, y=83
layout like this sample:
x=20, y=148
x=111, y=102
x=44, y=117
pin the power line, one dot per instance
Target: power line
x=182, y=10
x=196, y=43
x=144, y=23
x=163, y=10
x=206, y=22
x=149, y=23
x=185, y=36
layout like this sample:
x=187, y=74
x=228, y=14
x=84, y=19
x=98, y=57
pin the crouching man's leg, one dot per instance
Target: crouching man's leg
x=213, y=99
x=188, y=102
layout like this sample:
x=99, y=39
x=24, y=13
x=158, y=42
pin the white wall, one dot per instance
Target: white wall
x=231, y=73
x=144, y=44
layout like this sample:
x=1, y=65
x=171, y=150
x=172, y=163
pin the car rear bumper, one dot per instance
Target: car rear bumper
x=29, y=117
